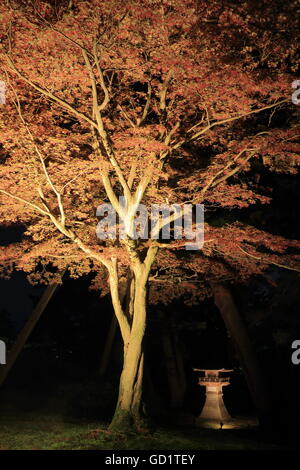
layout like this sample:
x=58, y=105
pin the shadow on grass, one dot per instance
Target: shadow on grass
x=48, y=426
x=30, y=431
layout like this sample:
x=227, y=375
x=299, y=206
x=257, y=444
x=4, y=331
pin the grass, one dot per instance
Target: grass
x=28, y=431
x=41, y=421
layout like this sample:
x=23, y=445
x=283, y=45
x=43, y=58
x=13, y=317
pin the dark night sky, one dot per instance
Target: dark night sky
x=15, y=297
x=15, y=293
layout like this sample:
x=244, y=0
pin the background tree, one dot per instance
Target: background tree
x=157, y=102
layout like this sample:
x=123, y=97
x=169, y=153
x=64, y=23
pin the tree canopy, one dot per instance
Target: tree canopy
x=158, y=102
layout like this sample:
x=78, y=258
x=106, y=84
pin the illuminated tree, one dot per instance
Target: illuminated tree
x=158, y=102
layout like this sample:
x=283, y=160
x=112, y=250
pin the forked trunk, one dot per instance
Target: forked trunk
x=132, y=322
x=128, y=414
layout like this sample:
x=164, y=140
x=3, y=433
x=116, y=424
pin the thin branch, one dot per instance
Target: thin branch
x=63, y=104
x=50, y=25
x=106, y=179
x=102, y=82
x=170, y=246
x=214, y=181
x=57, y=193
x=234, y=171
x=102, y=132
x=290, y=268
x=200, y=122
x=61, y=256
x=68, y=233
x=225, y=121
x=71, y=180
x=125, y=115
x=211, y=183
x=28, y=203
x=163, y=92
x=172, y=131
x=140, y=121
x=163, y=154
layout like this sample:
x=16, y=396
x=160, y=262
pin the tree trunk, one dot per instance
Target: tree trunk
x=132, y=321
x=128, y=413
x=257, y=386
x=26, y=331
x=176, y=393
x=108, y=346
x=174, y=371
x=180, y=365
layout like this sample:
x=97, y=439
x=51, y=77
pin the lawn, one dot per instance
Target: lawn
x=32, y=431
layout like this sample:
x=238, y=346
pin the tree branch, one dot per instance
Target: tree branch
x=101, y=78
x=102, y=132
x=115, y=296
x=214, y=181
x=140, y=120
x=163, y=93
x=68, y=233
x=224, y=121
x=28, y=203
x=63, y=104
x=290, y=268
x=125, y=115
x=57, y=193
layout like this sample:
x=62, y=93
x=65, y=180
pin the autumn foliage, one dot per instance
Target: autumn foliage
x=160, y=102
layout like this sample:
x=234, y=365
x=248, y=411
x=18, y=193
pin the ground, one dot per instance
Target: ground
x=41, y=418
x=28, y=431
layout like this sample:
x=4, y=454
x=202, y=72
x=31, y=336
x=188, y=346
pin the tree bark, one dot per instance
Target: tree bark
x=132, y=321
x=128, y=297
x=258, y=388
x=128, y=411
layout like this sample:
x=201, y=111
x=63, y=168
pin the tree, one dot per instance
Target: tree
x=262, y=397
x=27, y=330
x=157, y=102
